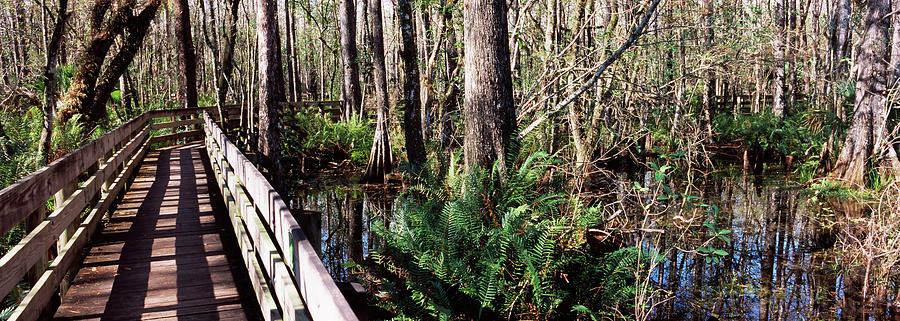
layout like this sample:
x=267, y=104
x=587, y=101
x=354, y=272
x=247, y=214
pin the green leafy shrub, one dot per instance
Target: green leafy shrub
x=485, y=245
x=316, y=132
x=801, y=135
x=19, y=136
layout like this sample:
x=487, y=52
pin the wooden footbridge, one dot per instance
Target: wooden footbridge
x=124, y=228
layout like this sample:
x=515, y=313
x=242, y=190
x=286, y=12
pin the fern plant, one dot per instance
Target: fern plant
x=486, y=245
x=12, y=300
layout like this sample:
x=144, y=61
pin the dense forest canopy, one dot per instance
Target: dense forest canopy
x=593, y=148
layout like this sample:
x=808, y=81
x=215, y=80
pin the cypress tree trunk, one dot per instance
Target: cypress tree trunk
x=778, y=92
x=290, y=84
x=380, y=158
x=351, y=89
x=449, y=104
x=80, y=97
x=225, y=78
x=271, y=89
x=866, y=134
x=412, y=118
x=840, y=38
x=489, y=110
x=137, y=31
x=187, y=58
x=50, y=79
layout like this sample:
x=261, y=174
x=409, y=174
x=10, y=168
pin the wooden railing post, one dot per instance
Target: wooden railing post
x=30, y=224
x=59, y=199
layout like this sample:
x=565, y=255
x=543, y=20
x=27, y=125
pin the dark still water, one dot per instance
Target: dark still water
x=780, y=264
x=782, y=261
x=347, y=214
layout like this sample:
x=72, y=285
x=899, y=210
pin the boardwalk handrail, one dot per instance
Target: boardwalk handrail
x=94, y=177
x=273, y=245
x=91, y=177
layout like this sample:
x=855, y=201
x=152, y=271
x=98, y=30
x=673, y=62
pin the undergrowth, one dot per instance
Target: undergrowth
x=801, y=134
x=314, y=132
x=485, y=245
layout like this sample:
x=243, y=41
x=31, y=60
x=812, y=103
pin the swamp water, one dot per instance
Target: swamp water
x=781, y=263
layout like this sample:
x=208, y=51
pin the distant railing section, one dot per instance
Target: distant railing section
x=287, y=275
x=89, y=179
x=330, y=108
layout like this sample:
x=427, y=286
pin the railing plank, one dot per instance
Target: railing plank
x=39, y=296
x=29, y=250
x=322, y=297
x=213, y=110
x=170, y=137
x=22, y=198
x=177, y=123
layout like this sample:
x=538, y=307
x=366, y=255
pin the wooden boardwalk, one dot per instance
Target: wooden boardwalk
x=167, y=252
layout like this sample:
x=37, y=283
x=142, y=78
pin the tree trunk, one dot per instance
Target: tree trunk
x=225, y=78
x=840, y=39
x=351, y=90
x=50, y=79
x=137, y=31
x=895, y=44
x=187, y=57
x=214, y=48
x=290, y=84
x=380, y=158
x=412, y=117
x=271, y=88
x=449, y=103
x=866, y=134
x=489, y=110
x=778, y=94
x=80, y=97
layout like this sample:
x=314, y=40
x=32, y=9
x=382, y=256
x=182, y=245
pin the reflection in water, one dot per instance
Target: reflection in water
x=346, y=219
x=777, y=267
x=780, y=265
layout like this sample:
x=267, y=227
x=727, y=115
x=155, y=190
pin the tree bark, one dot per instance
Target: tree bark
x=840, y=39
x=380, y=158
x=778, y=48
x=225, y=78
x=449, y=103
x=187, y=57
x=412, y=117
x=81, y=93
x=50, y=80
x=290, y=84
x=351, y=90
x=271, y=88
x=137, y=30
x=489, y=111
x=865, y=138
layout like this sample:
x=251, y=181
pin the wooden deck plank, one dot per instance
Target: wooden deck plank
x=167, y=251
